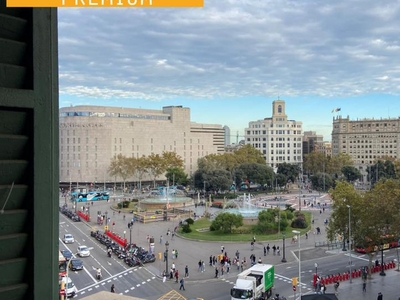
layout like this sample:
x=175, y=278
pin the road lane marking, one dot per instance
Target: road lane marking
x=114, y=277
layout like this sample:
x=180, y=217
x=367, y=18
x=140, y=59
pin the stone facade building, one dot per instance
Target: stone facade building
x=277, y=137
x=91, y=135
x=366, y=140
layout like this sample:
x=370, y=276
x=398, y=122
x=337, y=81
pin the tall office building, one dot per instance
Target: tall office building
x=277, y=137
x=366, y=140
x=312, y=142
x=91, y=135
x=227, y=134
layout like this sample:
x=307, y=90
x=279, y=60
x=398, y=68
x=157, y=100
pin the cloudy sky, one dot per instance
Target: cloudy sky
x=229, y=60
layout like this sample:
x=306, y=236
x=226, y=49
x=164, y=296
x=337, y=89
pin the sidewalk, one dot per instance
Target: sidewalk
x=190, y=251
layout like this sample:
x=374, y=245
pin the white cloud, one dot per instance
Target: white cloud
x=230, y=49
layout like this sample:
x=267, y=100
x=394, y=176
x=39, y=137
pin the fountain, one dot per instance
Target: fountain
x=169, y=197
x=245, y=207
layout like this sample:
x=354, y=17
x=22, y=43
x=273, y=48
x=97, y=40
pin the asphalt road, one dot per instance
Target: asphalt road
x=146, y=282
x=137, y=281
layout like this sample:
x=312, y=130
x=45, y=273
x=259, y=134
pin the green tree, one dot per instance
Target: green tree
x=381, y=170
x=177, y=176
x=218, y=180
x=290, y=171
x=351, y=173
x=322, y=181
x=253, y=172
x=342, y=195
x=140, y=168
x=337, y=162
x=226, y=221
x=172, y=160
x=315, y=162
x=248, y=154
x=120, y=166
x=156, y=166
x=370, y=215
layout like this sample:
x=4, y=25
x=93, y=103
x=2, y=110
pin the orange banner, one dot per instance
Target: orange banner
x=106, y=3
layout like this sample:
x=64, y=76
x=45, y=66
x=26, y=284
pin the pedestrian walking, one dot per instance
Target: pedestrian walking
x=380, y=296
x=186, y=271
x=200, y=265
x=182, y=286
x=216, y=272
x=274, y=249
x=364, y=286
x=161, y=239
x=268, y=248
x=265, y=251
x=176, y=253
x=164, y=277
x=211, y=260
x=336, y=287
x=278, y=251
x=176, y=276
x=112, y=288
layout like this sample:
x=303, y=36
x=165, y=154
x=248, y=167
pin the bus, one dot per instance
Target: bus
x=388, y=242
x=62, y=265
x=91, y=196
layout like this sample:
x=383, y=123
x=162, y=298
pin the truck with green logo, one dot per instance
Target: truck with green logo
x=254, y=283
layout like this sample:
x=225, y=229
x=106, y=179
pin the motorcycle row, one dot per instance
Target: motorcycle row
x=132, y=255
x=69, y=213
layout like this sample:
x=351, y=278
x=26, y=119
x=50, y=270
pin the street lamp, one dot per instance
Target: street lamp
x=283, y=257
x=130, y=235
x=298, y=238
x=349, y=245
x=382, y=273
x=166, y=256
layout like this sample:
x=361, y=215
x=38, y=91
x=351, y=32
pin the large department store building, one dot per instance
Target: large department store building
x=278, y=138
x=91, y=135
x=366, y=140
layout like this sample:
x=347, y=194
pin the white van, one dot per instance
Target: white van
x=68, y=238
x=70, y=288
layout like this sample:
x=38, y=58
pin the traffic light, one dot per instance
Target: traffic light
x=294, y=281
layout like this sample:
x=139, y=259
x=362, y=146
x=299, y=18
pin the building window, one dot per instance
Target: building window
x=279, y=109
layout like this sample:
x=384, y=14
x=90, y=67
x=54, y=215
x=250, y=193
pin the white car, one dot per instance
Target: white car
x=83, y=251
x=70, y=288
x=68, y=238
